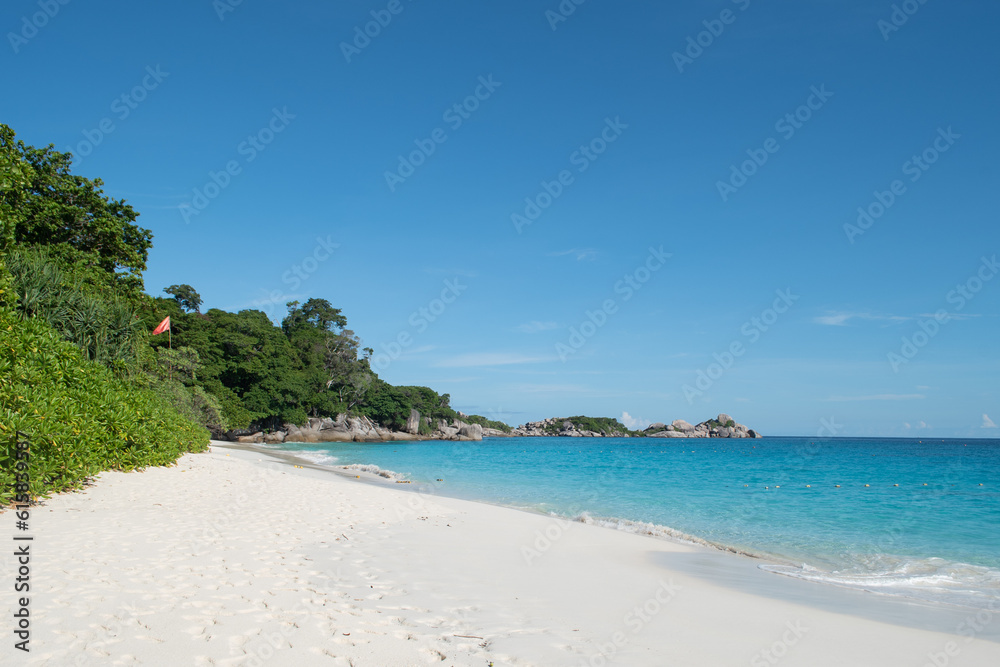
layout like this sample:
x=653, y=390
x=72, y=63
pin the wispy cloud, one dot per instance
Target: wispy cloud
x=987, y=422
x=840, y=319
x=476, y=359
x=878, y=397
x=535, y=326
x=837, y=320
x=843, y=318
x=581, y=254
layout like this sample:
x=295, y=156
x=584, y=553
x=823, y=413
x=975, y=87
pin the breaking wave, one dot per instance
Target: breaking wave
x=374, y=470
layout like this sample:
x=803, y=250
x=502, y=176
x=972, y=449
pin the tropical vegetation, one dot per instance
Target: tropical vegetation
x=87, y=385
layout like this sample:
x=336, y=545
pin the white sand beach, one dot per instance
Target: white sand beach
x=233, y=558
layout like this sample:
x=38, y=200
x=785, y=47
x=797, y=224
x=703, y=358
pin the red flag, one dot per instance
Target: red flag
x=162, y=326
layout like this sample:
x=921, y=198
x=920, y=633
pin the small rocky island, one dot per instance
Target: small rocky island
x=722, y=426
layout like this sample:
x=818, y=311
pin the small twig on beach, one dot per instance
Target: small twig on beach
x=346, y=537
x=467, y=636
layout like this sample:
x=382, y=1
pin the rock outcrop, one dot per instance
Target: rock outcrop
x=471, y=432
x=360, y=429
x=413, y=423
x=722, y=426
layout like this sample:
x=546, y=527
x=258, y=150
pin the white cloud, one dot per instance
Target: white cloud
x=835, y=320
x=490, y=359
x=581, y=253
x=843, y=318
x=987, y=422
x=535, y=326
x=634, y=423
x=877, y=397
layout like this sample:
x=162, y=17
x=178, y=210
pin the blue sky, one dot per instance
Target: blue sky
x=767, y=307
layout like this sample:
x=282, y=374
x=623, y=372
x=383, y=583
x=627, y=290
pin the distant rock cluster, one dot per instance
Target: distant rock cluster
x=558, y=427
x=722, y=426
x=362, y=429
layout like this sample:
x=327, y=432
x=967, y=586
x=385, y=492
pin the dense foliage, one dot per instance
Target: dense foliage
x=76, y=415
x=311, y=366
x=83, y=379
x=103, y=324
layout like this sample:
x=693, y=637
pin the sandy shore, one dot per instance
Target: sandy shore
x=232, y=558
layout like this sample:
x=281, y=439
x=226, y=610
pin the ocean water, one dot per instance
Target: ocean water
x=935, y=536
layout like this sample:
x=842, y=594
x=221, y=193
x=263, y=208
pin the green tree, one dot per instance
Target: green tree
x=15, y=178
x=314, y=313
x=72, y=216
x=186, y=297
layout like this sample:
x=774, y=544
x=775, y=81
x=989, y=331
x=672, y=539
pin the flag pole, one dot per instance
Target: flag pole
x=160, y=328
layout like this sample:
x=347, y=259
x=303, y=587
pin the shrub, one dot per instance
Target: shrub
x=78, y=417
x=102, y=324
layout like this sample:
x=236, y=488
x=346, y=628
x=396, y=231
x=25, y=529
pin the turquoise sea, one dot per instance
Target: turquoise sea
x=909, y=517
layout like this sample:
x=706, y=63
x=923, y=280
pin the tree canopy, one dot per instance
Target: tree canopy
x=186, y=297
x=44, y=204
